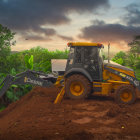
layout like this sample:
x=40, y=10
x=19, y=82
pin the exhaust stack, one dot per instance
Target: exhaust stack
x=108, y=52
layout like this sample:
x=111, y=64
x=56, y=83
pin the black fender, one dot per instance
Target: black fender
x=78, y=71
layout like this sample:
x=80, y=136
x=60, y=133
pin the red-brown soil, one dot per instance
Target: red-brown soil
x=35, y=117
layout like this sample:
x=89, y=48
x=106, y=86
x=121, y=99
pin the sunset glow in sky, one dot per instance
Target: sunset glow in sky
x=53, y=23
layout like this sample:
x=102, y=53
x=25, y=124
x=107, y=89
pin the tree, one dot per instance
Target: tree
x=6, y=37
x=133, y=59
x=120, y=58
x=135, y=46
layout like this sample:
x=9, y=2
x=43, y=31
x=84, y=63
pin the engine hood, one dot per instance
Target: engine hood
x=117, y=66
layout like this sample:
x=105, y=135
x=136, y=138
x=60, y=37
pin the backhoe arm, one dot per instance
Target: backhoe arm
x=6, y=84
x=27, y=77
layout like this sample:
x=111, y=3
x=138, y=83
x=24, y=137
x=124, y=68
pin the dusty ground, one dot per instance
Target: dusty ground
x=35, y=117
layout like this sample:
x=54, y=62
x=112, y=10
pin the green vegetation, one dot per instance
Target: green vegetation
x=2, y=107
x=120, y=58
x=130, y=59
x=6, y=40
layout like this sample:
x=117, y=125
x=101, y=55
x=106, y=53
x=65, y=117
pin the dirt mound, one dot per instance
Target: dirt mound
x=35, y=117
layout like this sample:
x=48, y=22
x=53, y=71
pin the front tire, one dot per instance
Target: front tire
x=77, y=87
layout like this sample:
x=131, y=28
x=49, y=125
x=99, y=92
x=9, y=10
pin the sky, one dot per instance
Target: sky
x=52, y=24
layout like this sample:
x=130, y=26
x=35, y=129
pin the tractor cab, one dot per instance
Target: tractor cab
x=85, y=58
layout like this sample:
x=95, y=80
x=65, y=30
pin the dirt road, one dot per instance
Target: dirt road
x=35, y=117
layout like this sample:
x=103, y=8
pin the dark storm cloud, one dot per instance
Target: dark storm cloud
x=31, y=14
x=99, y=31
x=133, y=15
x=66, y=38
x=38, y=34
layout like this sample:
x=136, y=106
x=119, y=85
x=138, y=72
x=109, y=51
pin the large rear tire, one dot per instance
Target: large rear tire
x=77, y=87
x=125, y=94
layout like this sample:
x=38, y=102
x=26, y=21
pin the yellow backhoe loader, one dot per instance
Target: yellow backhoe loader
x=85, y=74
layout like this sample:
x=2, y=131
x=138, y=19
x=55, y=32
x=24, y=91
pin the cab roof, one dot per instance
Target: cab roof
x=75, y=44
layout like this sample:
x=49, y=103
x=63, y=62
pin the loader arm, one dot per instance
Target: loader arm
x=27, y=77
x=131, y=79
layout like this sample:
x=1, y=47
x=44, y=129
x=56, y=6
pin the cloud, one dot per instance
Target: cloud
x=100, y=31
x=67, y=38
x=32, y=14
x=133, y=14
x=46, y=31
x=38, y=34
x=44, y=35
x=36, y=38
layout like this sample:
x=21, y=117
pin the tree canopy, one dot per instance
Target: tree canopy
x=135, y=46
x=6, y=40
x=6, y=36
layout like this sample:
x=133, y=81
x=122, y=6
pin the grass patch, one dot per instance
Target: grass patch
x=137, y=73
x=2, y=108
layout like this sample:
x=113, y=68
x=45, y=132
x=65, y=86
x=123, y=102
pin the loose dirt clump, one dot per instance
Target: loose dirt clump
x=35, y=117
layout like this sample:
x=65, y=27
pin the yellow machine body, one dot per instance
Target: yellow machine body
x=110, y=82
